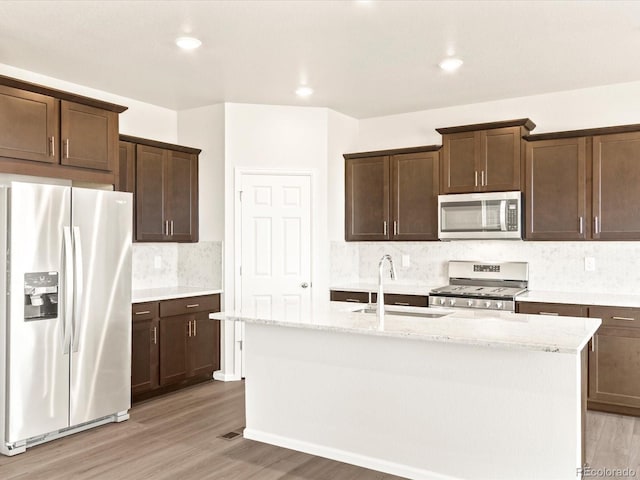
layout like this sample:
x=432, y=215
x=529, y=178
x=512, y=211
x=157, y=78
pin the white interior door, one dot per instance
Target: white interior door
x=275, y=244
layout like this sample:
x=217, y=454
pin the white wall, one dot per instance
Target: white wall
x=570, y=110
x=204, y=128
x=140, y=120
x=342, y=138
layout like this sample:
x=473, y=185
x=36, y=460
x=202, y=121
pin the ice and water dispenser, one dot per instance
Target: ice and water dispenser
x=40, y=295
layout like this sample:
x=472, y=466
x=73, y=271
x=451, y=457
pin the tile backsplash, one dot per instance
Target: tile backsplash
x=552, y=265
x=180, y=264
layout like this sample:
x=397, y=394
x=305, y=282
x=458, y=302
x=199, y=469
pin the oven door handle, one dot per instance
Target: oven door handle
x=503, y=215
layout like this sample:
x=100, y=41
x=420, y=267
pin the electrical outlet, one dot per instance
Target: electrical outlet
x=406, y=261
x=157, y=262
x=589, y=264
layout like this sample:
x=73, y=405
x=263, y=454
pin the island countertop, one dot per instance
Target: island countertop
x=464, y=326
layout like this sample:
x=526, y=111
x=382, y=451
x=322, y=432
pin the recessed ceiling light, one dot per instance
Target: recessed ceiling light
x=188, y=43
x=304, y=91
x=450, y=64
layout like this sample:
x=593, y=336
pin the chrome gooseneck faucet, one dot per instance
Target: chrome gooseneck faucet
x=380, y=290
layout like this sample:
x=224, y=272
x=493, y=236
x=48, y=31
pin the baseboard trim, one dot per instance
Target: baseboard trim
x=225, y=377
x=344, y=456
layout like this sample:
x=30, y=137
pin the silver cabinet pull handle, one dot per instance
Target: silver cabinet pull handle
x=395, y=227
x=384, y=227
x=155, y=335
x=66, y=148
x=352, y=300
x=482, y=181
x=406, y=304
x=476, y=180
x=581, y=225
x=593, y=345
x=166, y=228
x=171, y=228
x=195, y=328
x=52, y=143
x=549, y=313
x=596, y=225
x=144, y=312
x=304, y=285
x=629, y=319
x=189, y=327
x=193, y=305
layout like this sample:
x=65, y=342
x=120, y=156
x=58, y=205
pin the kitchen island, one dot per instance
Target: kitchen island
x=468, y=395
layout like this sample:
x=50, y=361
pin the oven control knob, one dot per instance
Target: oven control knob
x=469, y=303
x=499, y=305
x=442, y=301
x=452, y=302
x=487, y=304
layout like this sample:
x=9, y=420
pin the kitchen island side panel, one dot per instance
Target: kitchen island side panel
x=417, y=409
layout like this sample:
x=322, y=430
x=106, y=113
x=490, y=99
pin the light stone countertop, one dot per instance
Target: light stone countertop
x=469, y=327
x=579, y=298
x=167, y=293
x=389, y=287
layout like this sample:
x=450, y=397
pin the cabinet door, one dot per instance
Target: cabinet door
x=28, y=125
x=556, y=194
x=150, y=187
x=616, y=195
x=367, y=199
x=563, y=309
x=500, y=159
x=459, y=162
x=181, y=197
x=204, y=345
x=89, y=136
x=414, y=196
x=614, y=366
x=126, y=167
x=145, y=351
x=174, y=333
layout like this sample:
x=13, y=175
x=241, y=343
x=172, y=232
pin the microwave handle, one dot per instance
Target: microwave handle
x=503, y=215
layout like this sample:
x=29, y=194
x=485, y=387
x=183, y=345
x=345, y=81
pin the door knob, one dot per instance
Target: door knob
x=304, y=284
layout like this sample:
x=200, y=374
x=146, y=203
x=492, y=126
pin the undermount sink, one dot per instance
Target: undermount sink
x=402, y=313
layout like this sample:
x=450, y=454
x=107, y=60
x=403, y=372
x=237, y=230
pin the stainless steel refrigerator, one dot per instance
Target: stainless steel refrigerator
x=65, y=334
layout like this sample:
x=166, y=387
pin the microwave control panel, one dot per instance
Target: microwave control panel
x=512, y=215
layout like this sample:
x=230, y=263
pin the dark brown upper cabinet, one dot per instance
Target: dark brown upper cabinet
x=127, y=167
x=29, y=124
x=616, y=186
x=392, y=194
x=89, y=136
x=485, y=157
x=51, y=133
x=556, y=190
x=166, y=189
x=582, y=184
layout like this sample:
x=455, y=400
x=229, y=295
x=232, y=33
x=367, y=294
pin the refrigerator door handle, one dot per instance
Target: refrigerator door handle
x=79, y=282
x=68, y=290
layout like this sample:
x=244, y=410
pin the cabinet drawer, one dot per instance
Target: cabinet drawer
x=180, y=306
x=562, y=309
x=404, y=300
x=342, y=296
x=144, y=311
x=616, y=316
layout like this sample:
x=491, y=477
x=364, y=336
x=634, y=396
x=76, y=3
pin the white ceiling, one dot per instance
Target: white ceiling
x=362, y=58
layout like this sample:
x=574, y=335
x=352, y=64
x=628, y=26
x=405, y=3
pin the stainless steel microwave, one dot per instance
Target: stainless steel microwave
x=480, y=216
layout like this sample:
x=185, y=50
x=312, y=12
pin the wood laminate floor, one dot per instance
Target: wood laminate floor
x=177, y=437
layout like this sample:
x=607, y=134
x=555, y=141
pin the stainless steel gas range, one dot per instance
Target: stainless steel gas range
x=482, y=285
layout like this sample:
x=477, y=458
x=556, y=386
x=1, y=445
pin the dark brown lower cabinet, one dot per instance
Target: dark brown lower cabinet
x=614, y=354
x=145, y=348
x=171, y=348
x=614, y=361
